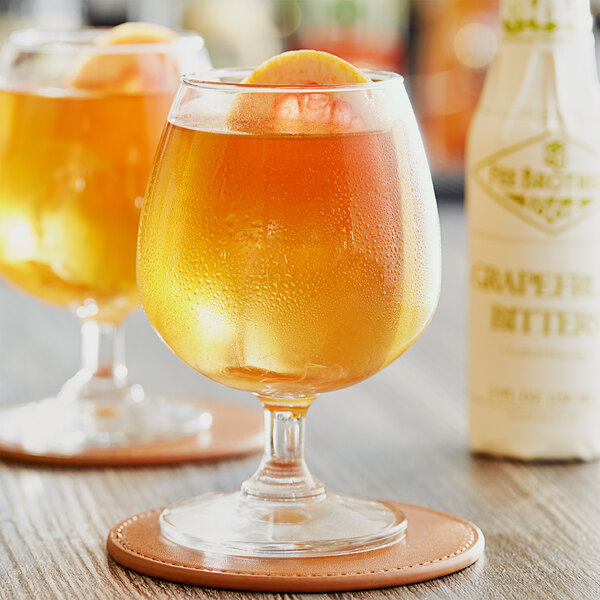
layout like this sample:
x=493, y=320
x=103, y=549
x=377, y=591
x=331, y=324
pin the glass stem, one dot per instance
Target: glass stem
x=103, y=354
x=283, y=474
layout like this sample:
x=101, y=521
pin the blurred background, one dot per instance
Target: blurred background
x=443, y=47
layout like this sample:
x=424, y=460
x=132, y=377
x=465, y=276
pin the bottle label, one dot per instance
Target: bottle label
x=534, y=365
x=544, y=181
x=545, y=17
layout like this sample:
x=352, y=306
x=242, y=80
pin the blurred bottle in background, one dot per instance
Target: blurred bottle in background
x=457, y=40
x=237, y=32
x=370, y=34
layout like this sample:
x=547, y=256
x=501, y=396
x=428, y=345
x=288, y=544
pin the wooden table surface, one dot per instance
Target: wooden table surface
x=407, y=426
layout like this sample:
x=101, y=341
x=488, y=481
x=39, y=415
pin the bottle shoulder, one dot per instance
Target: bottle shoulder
x=543, y=81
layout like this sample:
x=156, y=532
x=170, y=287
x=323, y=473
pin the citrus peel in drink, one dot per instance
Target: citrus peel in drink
x=109, y=70
x=305, y=67
x=137, y=33
x=298, y=112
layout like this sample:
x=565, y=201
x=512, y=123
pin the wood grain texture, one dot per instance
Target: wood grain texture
x=400, y=435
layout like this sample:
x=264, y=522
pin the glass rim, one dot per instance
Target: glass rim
x=208, y=80
x=65, y=41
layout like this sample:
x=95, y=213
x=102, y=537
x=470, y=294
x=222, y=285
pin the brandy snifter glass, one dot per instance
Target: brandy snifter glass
x=288, y=257
x=80, y=121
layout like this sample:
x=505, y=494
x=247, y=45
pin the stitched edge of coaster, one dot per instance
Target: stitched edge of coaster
x=120, y=532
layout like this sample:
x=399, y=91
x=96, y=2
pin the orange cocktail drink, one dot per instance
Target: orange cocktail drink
x=282, y=266
x=78, y=132
x=73, y=170
x=81, y=114
x=288, y=246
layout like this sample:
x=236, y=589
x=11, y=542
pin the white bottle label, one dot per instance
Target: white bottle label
x=534, y=283
x=551, y=181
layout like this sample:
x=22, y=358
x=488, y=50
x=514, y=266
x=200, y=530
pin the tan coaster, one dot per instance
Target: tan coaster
x=235, y=430
x=436, y=544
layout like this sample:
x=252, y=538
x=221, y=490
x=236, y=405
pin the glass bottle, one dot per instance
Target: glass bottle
x=533, y=200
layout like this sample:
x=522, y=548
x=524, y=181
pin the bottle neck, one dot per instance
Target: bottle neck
x=544, y=20
x=543, y=73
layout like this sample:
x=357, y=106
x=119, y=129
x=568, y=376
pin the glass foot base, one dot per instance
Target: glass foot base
x=68, y=426
x=240, y=525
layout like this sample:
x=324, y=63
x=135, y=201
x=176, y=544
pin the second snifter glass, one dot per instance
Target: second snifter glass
x=288, y=258
x=81, y=114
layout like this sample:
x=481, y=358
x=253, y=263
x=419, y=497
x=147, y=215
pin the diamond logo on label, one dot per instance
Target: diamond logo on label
x=540, y=181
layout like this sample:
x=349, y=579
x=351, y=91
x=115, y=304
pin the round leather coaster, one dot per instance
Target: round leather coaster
x=235, y=430
x=436, y=544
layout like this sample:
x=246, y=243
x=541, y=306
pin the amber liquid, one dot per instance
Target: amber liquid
x=279, y=265
x=73, y=171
